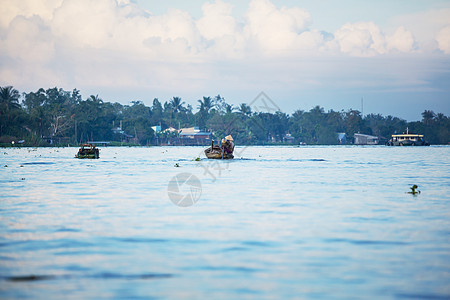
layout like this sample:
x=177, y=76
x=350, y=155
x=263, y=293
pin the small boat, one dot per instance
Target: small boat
x=217, y=152
x=88, y=151
x=407, y=139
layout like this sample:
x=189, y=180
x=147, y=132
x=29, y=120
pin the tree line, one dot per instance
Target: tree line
x=54, y=114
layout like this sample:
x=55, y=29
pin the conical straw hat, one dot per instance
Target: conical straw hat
x=229, y=138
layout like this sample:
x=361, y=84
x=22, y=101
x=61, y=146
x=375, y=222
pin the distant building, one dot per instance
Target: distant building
x=342, y=137
x=118, y=130
x=124, y=137
x=194, y=136
x=170, y=130
x=99, y=143
x=288, y=138
x=156, y=128
x=365, y=139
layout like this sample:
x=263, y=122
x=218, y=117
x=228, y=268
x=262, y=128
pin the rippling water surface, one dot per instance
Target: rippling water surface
x=274, y=223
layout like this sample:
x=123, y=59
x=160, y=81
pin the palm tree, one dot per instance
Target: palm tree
x=96, y=99
x=177, y=104
x=9, y=99
x=229, y=108
x=9, y=103
x=440, y=118
x=206, y=104
x=428, y=116
x=245, y=109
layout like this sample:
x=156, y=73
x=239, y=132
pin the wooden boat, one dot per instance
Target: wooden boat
x=215, y=152
x=407, y=139
x=88, y=151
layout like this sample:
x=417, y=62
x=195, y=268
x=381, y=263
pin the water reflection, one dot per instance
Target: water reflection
x=278, y=222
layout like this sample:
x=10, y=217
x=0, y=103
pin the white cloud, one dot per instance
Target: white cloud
x=9, y=9
x=310, y=40
x=126, y=29
x=275, y=29
x=116, y=44
x=29, y=40
x=217, y=20
x=85, y=22
x=443, y=39
x=361, y=39
x=178, y=24
x=402, y=40
x=425, y=26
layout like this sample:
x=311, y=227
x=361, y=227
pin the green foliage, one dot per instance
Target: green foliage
x=11, y=113
x=65, y=118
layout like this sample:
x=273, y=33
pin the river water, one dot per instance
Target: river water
x=274, y=223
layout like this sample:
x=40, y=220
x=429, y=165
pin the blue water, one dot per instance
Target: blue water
x=274, y=223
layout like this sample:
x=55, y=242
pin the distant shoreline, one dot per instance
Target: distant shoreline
x=253, y=145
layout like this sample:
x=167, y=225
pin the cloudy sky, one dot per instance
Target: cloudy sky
x=395, y=54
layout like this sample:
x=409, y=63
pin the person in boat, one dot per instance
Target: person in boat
x=228, y=144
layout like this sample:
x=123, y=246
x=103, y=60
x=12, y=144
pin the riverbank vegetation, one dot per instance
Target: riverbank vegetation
x=55, y=116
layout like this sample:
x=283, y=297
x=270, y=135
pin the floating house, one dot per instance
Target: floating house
x=365, y=139
x=195, y=136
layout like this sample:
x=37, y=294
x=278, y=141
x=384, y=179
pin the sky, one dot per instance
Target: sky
x=388, y=57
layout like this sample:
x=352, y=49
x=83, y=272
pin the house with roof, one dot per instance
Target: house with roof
x=195, y=136
x=342, y=137
x=365, y=139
